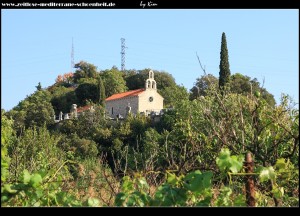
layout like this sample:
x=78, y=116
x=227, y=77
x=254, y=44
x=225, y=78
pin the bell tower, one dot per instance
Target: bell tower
x=150, y=82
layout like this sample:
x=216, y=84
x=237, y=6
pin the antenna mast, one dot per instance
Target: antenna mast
x=123, y=54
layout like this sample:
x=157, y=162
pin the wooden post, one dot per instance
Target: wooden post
x=250, y=189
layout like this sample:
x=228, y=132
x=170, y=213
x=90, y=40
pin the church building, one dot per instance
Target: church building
x=145, y=101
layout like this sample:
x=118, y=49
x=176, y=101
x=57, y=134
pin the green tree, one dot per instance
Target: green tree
x=239, y=84
x=224, y=74
x=174, y=94
x=202, y=85
x=101, y=92
x=63, y=98
x=84, y=70
x=137, y=79
x=35, y=110
x=113, y=81
x=85, y=92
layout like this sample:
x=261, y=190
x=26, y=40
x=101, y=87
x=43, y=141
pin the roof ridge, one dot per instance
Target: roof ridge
x=120, y=95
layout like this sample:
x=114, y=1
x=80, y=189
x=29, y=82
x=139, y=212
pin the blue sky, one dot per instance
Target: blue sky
x=36, y=45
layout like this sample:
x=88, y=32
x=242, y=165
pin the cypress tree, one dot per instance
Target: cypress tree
x=101, y=92
x=224, y=74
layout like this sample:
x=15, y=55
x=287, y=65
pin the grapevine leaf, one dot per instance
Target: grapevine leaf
x=198, y=182
x=93, y=202
x=36, y=180
x=223, y=161
x=280, y=163
x=4, y=198
x=233, y=163
x=172, y=179
x=143, y=183
x=120, y=199
x=236, y=164
x=278, y=192
x=7, y=188
x=25, y=177
x=127, y=185
x=266, y=174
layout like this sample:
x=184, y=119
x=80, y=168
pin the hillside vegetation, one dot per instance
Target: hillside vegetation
x=194, y=156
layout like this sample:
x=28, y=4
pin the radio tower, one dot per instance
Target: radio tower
x=123, y=54
x=72, y=56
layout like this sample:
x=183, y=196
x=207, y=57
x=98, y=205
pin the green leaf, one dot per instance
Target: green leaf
x=278, y=192
x=233, y=163
x=4, y=198
x=39, y=193
x=223, y=161
x=239, y=200
x=43, y=172
x=127, y=185
x=120, y=198
x=37, y=204
x=281, y=164
x=197, y=181
x=266, y=174
x=172, y=179
x=93, y=202
x=36, y=180
x=25, y=177
x=236, y=164
x=7, y=188
x=142, y=183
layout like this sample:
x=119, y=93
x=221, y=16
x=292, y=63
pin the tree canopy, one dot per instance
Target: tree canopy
x=188, y=156
x=238, y=84
x=84, y=70
x=35, y=110
x=113, y=81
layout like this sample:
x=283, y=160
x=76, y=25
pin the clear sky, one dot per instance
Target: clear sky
x=36, y=45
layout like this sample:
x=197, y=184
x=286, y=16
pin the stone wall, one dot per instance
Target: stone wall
x=119, y=106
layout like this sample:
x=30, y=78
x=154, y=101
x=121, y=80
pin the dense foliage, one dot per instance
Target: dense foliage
x=193, y=156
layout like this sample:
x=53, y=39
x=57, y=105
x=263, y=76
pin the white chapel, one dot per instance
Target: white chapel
x=146, y=100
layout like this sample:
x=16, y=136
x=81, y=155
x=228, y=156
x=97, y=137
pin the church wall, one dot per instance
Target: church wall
x=144, y=103
x=119, y=106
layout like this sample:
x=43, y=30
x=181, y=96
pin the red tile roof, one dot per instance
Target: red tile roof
x=125, y=94
x=84, y=108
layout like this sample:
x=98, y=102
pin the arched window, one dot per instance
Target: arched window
x=153, y=84
x=151, y=75
x=149, y=84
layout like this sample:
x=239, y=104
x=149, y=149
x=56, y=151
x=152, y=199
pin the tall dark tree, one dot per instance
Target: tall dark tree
x=224, y=74
x=101, y=92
